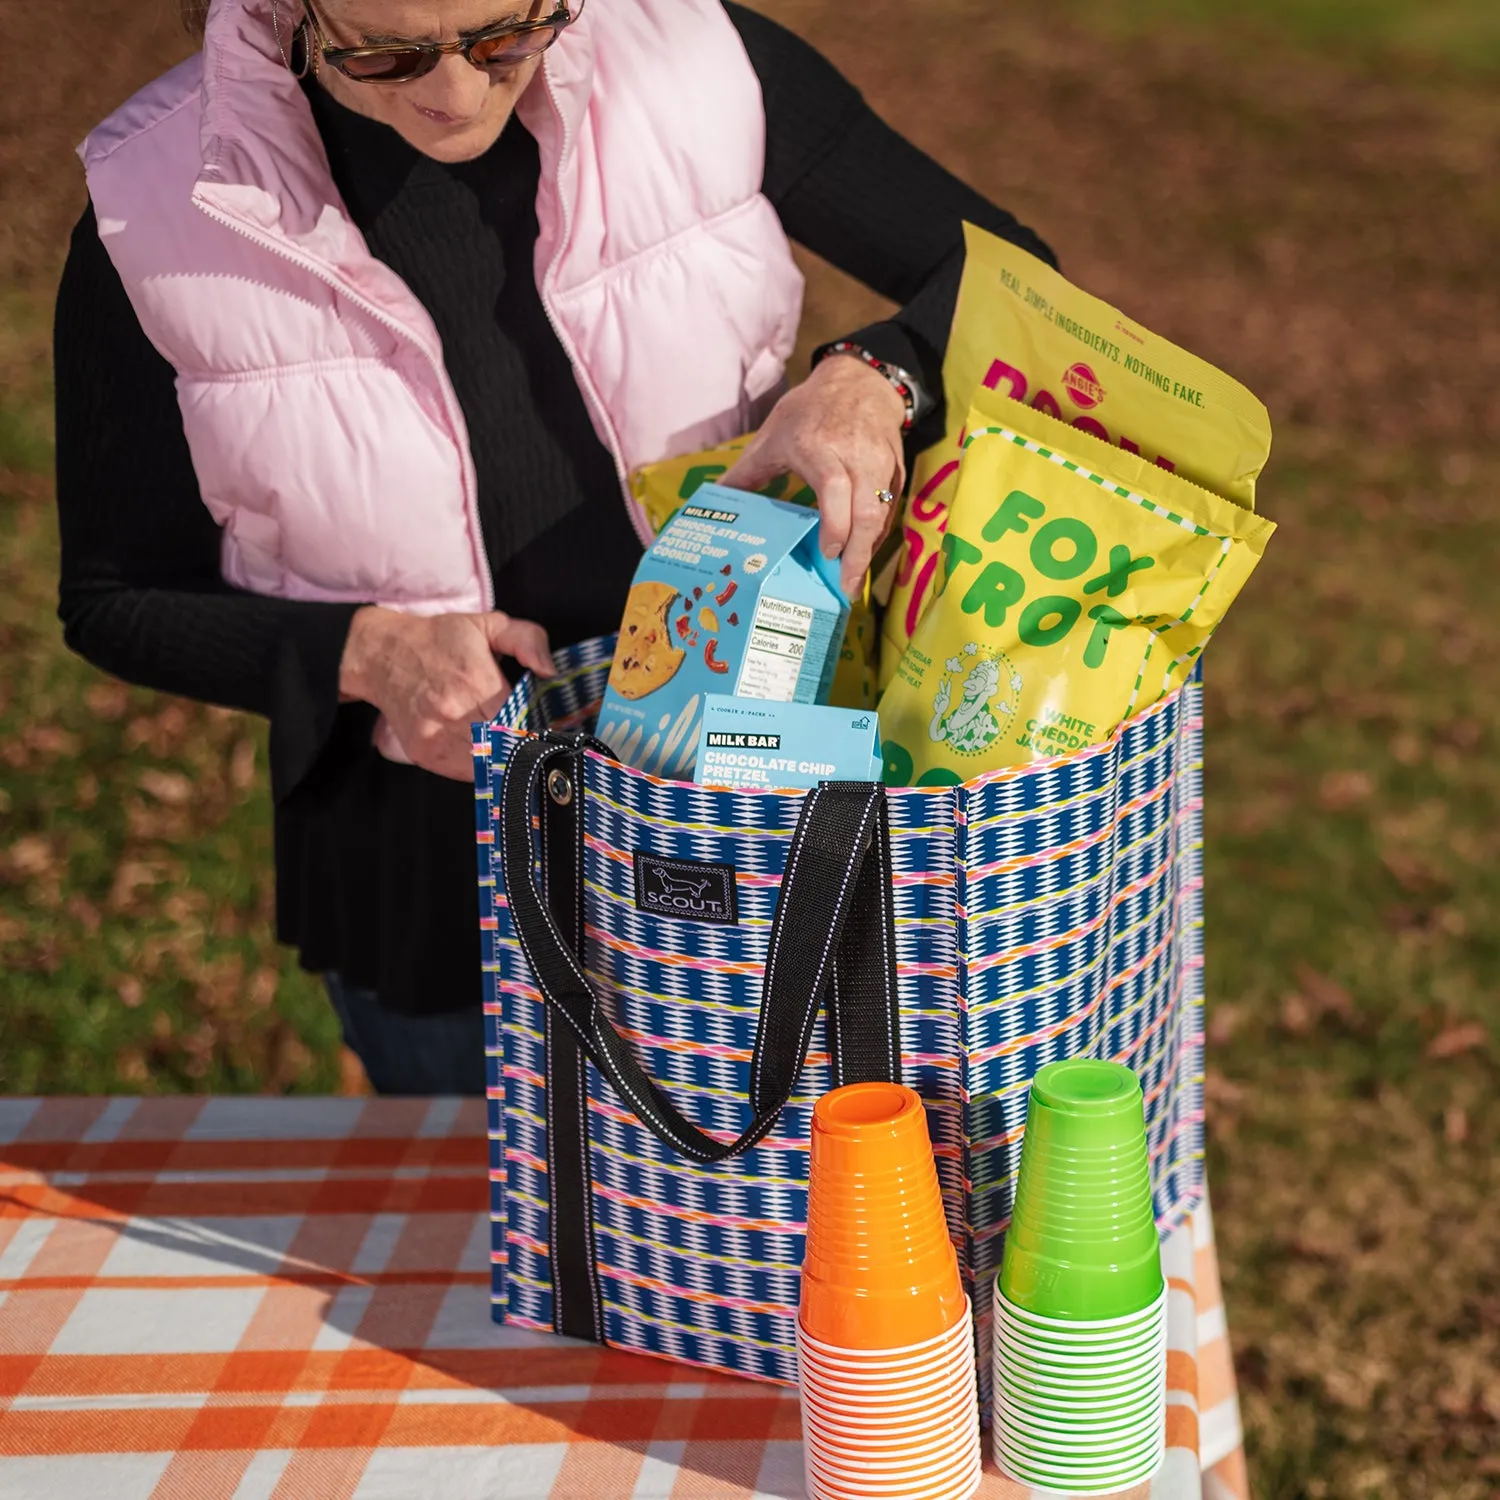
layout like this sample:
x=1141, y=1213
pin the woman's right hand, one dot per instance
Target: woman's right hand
x=433, y=676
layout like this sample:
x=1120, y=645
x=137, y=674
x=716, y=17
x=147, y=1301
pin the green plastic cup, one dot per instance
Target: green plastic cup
x=1110, y=1431
x=1070, y=1476
x=1082, y=1243
x=1080, y=1348
x=1078, y=1480
x=1068, y=1398
x=1074, y=1331
x=1067, y=1455
x=1071, y=1367
x=1036, y=1389
x=1094, y=1381
x=1075, y=1458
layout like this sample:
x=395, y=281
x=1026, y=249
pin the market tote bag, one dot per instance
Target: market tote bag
x=674, y=975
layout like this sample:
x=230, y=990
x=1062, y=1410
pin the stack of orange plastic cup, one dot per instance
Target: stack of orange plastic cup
x=885, y=1339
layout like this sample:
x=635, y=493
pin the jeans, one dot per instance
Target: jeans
x=423, y=1055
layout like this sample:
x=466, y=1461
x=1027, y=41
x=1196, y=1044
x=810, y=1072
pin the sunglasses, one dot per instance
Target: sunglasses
x=496, y=49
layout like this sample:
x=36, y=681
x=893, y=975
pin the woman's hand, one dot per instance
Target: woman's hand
x=840, y=430
x=434, y=676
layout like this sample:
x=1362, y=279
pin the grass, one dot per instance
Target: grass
x=1458, y=34
x=1352, y=884
x=1344, y=262
x=135, y=877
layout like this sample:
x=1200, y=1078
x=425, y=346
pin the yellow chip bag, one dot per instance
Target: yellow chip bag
x=661, y=488
x=1024, y=331
x=1078, y=585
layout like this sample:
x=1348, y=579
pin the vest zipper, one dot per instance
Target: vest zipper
x=636, y=513
x=466, y=460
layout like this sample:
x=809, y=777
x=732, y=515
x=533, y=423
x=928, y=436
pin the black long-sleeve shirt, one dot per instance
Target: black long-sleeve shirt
x=375, y=861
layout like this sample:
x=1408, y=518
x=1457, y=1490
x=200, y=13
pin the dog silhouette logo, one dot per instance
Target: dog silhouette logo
x=675, y=885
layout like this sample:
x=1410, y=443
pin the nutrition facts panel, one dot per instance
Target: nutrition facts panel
x=778, y=644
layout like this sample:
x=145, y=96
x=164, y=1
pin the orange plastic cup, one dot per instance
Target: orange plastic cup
x=952, y=1478
x=882, y=1366
x=880, y=1271
x=908, y=1433
x=860, y=1412
x=920, y=1490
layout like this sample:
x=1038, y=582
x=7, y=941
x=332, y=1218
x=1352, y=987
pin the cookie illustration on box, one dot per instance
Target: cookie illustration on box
x=646, y=657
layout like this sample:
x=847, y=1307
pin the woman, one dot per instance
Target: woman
x=375, y=306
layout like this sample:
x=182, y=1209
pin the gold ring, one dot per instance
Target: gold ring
x=886, y=497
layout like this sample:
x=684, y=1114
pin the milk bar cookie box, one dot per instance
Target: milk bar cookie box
x=747, y=742
x=733, y=598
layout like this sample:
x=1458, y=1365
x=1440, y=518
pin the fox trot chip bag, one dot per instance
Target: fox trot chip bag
x=1079, y=583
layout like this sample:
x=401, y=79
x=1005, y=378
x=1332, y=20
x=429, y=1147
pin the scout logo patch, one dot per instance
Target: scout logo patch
x=690, y=890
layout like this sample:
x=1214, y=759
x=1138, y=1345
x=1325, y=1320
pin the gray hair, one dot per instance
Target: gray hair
x=193, y=15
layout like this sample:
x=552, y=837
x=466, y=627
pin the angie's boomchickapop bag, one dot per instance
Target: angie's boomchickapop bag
x=1078, y=585
x=1022, y=330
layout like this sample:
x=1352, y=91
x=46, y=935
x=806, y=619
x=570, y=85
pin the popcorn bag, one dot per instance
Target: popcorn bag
x=1022, y=331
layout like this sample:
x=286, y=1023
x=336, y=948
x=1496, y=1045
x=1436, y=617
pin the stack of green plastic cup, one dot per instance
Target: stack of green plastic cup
x=1080, y=1330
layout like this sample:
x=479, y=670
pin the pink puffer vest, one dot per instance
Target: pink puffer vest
x=324, y=430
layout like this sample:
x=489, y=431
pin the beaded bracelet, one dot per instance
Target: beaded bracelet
x=903, y=384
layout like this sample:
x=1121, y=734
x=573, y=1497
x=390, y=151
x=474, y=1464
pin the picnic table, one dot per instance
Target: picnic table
x=272, y=1299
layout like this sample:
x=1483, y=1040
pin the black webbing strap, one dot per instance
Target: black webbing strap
x=577, y=1309
x=864, y=1011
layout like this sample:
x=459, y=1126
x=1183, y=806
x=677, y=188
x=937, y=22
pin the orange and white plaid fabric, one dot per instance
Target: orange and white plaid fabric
x=282, y=1299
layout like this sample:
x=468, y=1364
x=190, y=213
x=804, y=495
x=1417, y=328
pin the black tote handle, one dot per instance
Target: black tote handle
x=833, y=940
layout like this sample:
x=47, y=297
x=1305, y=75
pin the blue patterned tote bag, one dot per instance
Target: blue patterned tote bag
x=674, y=975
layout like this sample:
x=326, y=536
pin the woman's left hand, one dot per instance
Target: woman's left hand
x=840, y=430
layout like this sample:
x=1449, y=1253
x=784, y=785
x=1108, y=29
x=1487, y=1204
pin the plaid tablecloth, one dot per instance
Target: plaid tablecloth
x=273, y=1299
